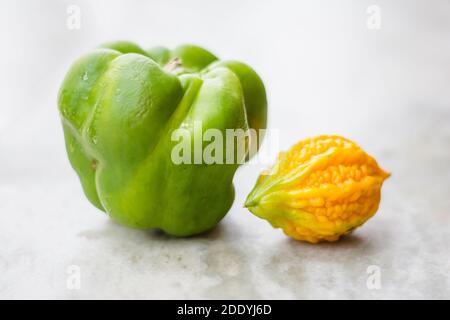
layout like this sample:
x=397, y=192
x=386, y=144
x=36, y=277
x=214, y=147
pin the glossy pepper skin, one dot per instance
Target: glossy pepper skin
x=120, y=104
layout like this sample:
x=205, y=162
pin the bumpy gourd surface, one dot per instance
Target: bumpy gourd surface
x=321, y=189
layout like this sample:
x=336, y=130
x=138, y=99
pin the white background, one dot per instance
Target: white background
x=325, y=71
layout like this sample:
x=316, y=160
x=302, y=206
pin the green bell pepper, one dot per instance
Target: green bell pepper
x=119, y=107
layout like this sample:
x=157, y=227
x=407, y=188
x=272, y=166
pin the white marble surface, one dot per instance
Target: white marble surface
x=325, y=72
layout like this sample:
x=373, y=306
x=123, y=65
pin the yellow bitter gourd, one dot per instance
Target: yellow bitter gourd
x=321, y=189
